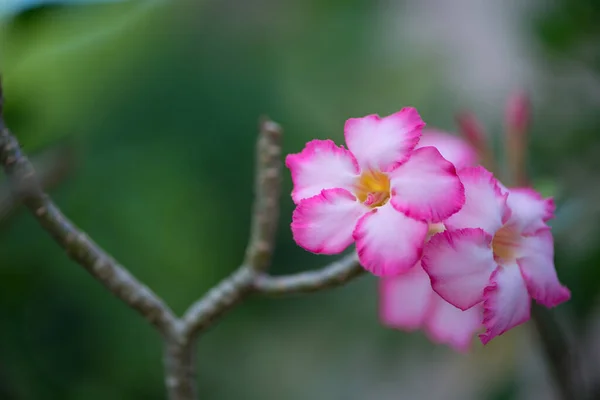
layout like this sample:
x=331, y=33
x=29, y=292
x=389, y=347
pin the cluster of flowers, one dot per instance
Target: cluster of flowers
x=457, y=252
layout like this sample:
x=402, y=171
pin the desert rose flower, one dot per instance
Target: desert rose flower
x=407, y=301
x=380, y=192
x=497, y=251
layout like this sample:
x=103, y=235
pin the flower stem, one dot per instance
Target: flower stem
x=561, y=355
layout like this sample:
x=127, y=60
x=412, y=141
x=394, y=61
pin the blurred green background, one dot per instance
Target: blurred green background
x=144, y=115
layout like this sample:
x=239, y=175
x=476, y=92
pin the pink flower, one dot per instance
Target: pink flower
x=407, y=301
x=380, y=193
x=498, y=251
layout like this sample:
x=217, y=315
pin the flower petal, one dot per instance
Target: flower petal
x=379, y=144
x=321, y=165
x=537, y=268
x=507, y=302
x=447, y=324
x=454, y=149
x=426, y=186
x=459, y=264
x=388, y=242
x=405, y=299
x=529, y=210
x=324, y=223
x=485, y=204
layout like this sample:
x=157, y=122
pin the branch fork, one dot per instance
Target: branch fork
x=180, y=333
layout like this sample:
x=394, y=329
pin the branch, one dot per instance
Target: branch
x=216, y=302
x=265, y=216
x=179, y=358
x=77, y=244
x=267, y=188
x=236, y=287
x=562, y=356
x=250, y=276
x=335, y=274
x=179, y=334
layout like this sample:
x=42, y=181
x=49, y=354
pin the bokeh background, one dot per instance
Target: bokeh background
x=142, y=117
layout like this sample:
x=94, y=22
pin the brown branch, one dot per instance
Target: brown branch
x=262, y=236
x=265, y=215
x=335, y=274
x=180, y=362
x=179, y=334
x=180, y=370
x=217, y=301
x=76, y=243
x=179, y=356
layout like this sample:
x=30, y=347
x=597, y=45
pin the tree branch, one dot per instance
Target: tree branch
x=180, y=370
x=76, y=243
x=267, y=190
x=216, y=302
x=179, y=357
x=335, y=274
x=179, y=334
x=265, y=216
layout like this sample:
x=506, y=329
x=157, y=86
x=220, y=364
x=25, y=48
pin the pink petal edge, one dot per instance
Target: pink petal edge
x=530, y=211
x=537, y=267
x=380, y=144
x=324, y=223
x=321, y=165
x=485, y=204
x=549, y=205
x=453, y=148
x=459, y=264
x=503, y=311
x=426, y=187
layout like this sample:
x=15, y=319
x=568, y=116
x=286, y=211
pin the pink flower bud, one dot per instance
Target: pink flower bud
x=471, y=129
x=518, y=113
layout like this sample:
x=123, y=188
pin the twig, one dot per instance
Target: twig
x=335, y=274
x=267, y=189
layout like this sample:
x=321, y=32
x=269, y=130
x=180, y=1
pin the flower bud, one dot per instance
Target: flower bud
x=518, y=112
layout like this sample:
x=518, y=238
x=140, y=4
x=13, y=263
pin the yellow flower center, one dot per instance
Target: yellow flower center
x=373, y=188
x=435, y=228
x=506, y=243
